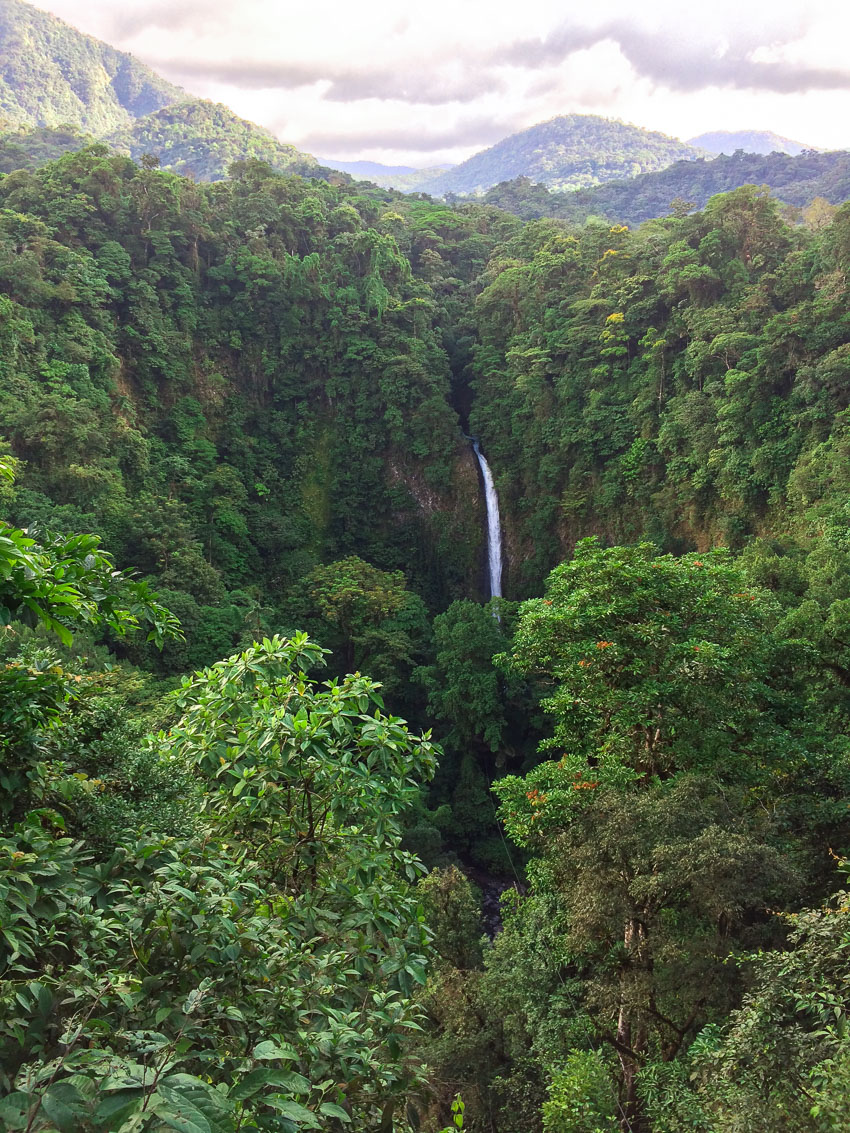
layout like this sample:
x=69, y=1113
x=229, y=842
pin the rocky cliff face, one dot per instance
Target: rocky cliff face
x=449, y=521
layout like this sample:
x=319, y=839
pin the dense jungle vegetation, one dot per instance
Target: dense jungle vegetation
x=683, y=186
x=265, y=752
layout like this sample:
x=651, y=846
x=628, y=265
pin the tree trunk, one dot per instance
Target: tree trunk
x=631, y=1033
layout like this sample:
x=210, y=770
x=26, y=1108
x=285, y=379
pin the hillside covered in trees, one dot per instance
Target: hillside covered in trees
x=60, y=90
x=571, y=151
x=684, y=186
x=203, y=139
x=266, y=753
x=28, y=148
x=53, y=75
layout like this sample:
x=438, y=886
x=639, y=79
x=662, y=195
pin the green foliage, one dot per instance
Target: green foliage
x=458, y=1110
x=300, y=771
x=453, y=913
x=258, y=973
x=581, y=1097
x=464, y=689
x=567, y=153
x=64, y=584
x=29, y=148
x=204, y=139
x=367, y=616
x=250, y=390
x=677, y=382
x=68, y=579
x=659, y=830
x=683, y=186
x=257, y=969
x=658, y=664
x=99, y=772
x=780, y=1062
x=56, y=76
x=501, y=1032
x=38, y=763
x=488, y=721
x=63, y=90
x=172, y=384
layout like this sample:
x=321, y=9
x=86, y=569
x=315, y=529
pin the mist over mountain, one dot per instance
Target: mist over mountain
x=368, y=168
x=751, y=141
x=405, y=178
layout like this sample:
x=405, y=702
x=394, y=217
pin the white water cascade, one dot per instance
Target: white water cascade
x=494, y=527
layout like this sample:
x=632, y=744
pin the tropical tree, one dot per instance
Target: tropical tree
x=781, y=1062
x=676, y=724
x=367, y=616
x=65, y=583
x=257, y=974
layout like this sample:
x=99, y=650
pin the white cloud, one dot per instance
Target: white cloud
x=421, y=85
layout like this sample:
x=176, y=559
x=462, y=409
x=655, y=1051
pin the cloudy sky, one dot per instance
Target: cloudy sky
x=418, y=84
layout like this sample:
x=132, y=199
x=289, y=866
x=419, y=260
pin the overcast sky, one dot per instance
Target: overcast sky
x=436, y=81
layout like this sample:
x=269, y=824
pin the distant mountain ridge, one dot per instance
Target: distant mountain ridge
x=405, y=178
x=61, y=89
x=368, y=168
x=750, y=141
x=572, y=151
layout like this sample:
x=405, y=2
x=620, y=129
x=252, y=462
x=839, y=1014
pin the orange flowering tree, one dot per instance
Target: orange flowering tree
x=676, y=725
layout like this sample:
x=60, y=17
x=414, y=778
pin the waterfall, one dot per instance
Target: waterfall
x=494, y=527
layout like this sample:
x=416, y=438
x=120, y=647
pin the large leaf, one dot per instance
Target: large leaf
x=268, y=1051
x=298, y=1113
x=198, y=1099
x=268, y=1076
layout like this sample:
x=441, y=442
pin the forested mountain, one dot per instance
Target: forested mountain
x=196, y=138
x=751, y=141
x=203, y=139
x=685, y=185
x=65, y=88
x=53, y=75
x=568, y=152
x=253, y=393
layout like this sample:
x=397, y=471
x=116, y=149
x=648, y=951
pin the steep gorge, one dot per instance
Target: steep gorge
x=231, y=384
